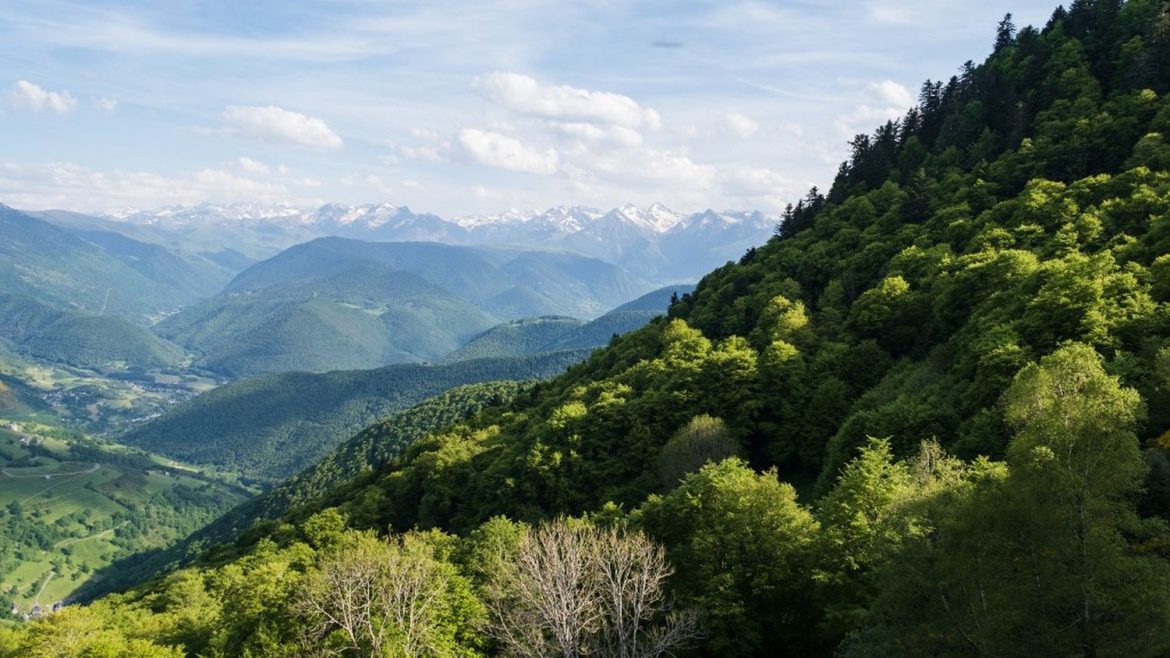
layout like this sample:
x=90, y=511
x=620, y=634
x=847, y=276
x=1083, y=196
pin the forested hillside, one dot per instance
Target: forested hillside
x=88, y=341
x=960, y=354
x=97, y=272
x=347, y=467
x=268, y=428
x=553, y=333
x=335, y=303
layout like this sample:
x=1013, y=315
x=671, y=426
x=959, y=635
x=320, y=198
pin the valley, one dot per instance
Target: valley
x=924, y=411
x=141, y=423
x=73, y=506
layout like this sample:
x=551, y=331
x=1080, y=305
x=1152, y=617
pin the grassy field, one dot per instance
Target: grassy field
x=69, y=507
x=101, y=402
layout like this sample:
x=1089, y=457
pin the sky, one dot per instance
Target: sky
x=463, y=107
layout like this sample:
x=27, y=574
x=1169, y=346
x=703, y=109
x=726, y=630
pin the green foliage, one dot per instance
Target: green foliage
x=702, y=440
x=741, y=545
x=86, y=341
x=552, y=333
x=518, y=338
x=984, y=284
x=347, y=468
x=1049, y=559
x=270, y=427
x=97, y=272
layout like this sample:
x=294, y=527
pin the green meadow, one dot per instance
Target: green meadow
x=72, y=506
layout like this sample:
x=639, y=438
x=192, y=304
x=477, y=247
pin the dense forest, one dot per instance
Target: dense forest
x=266, y=429
x=929, y=417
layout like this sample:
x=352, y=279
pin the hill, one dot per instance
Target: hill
x=351, y=464
x=364, y=315
x=515, y=338
x=552, y=333
x=87, y=341
x=107, y=273
x=658, y=300
x=270, y=427
x=190, y=277
x=985, y=285
x=337, y=303
x=557, y=283
x=19, y=402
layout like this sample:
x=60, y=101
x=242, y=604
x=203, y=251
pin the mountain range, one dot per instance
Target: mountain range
x=339, y=303
x=655, y=243
x=930, y=417
x=271, y=426
x=97, y=271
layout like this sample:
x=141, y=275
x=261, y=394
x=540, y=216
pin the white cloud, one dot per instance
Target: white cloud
x=884, y=12
x=742, y=125
x=524, y=95
x=481, y=192
x=250, y=166
x=63, y=184
x=756, y=186
x=754, y=181
x=644, y=165
x=892, y=93
x=864, y=119
x=278, y=125
x=496, y=150
x=613, y=135
x=425, y=135
x=434, y=148
x=423, y=153
x=24, y=95
x=103, y=104
x=227, y=183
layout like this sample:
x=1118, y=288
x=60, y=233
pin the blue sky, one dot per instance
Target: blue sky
x=459, y=107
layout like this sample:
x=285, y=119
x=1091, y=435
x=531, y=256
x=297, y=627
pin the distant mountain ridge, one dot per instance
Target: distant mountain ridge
x=655, y=242
x=96, y=271
x=568, y=219
x=340, y=303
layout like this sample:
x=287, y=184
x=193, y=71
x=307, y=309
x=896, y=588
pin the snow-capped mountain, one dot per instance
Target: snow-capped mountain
x=206, y=213
x=655, y=242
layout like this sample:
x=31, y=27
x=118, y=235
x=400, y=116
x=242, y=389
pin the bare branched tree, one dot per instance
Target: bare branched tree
x=631, y=572
x=377, y=594
x=545, y=604
x=574, y=590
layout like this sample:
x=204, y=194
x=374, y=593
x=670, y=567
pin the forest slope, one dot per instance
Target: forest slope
x=986, y=284
x=270, y=427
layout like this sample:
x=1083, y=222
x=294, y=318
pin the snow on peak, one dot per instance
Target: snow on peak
x=657, y=218
x=510, y=216
x=558, y=220
x=208, y=213
x=370, y=215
